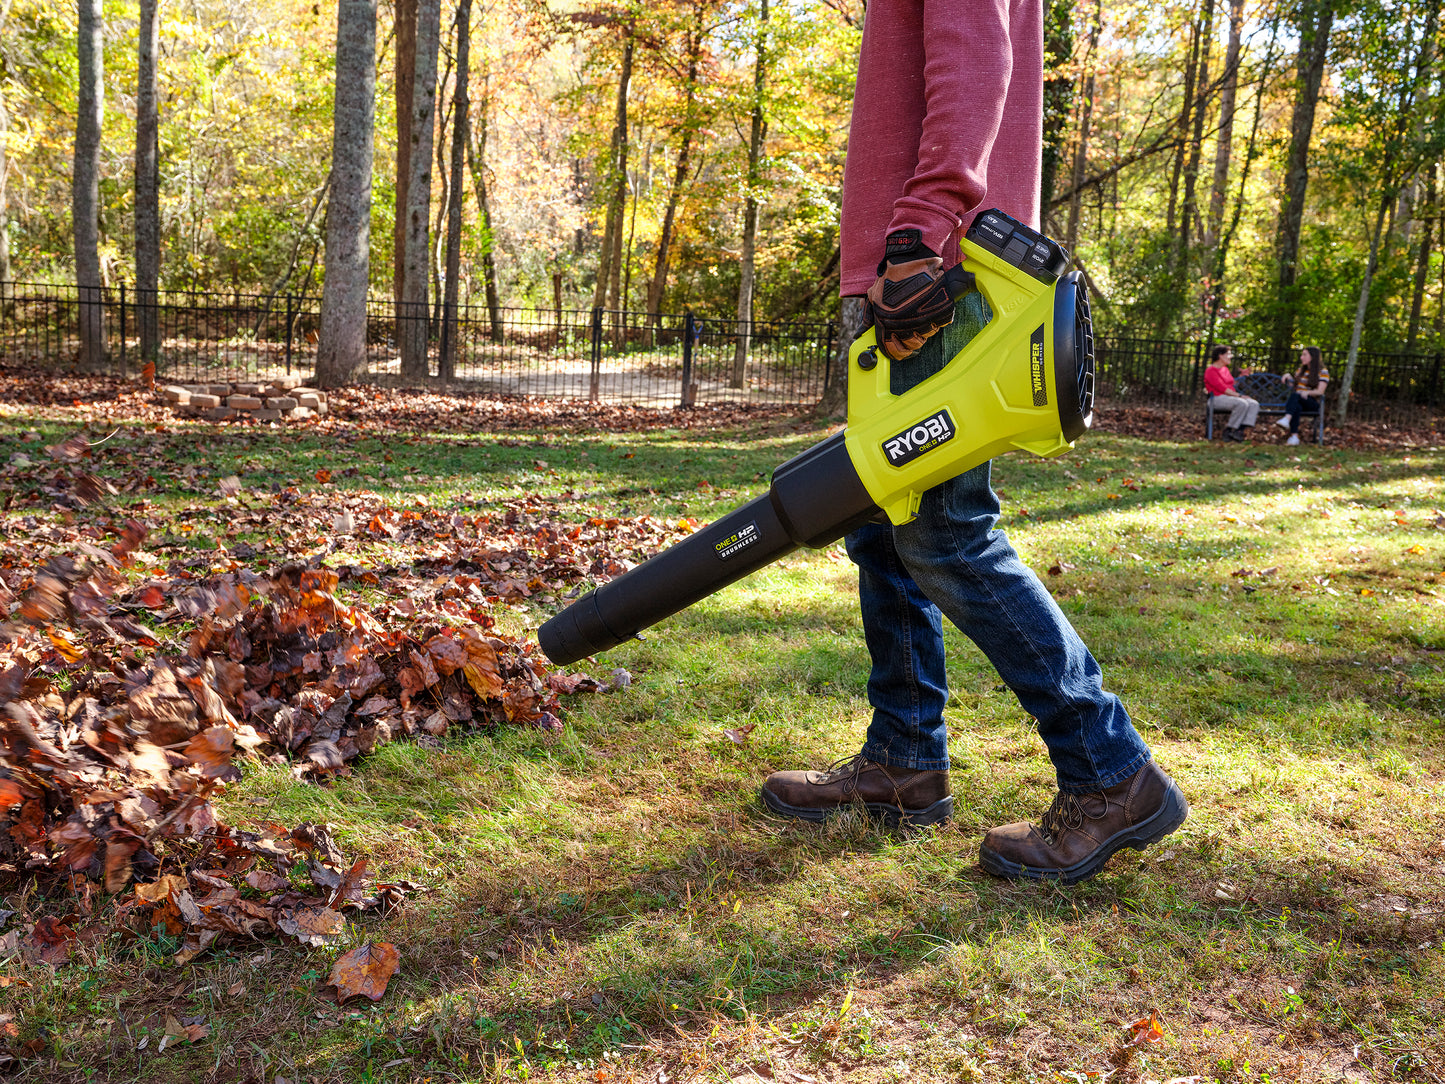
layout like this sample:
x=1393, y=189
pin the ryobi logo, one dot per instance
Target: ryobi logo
x=922, y=437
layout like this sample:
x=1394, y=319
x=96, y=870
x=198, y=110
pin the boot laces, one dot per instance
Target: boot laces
x=1064, y=815
x=840, y=769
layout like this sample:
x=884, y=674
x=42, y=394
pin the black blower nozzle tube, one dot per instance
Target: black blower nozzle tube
x=815, y=498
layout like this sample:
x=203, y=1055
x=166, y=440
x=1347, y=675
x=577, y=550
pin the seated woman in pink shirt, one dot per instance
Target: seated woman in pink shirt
x=1219, y=382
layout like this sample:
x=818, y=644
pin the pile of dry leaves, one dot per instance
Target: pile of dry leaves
x=131, y=688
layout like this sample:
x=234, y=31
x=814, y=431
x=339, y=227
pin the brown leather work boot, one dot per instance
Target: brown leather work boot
x=900, y=796
x=1081, y=831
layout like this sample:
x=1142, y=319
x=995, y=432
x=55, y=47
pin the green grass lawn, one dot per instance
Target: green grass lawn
x=612, y=904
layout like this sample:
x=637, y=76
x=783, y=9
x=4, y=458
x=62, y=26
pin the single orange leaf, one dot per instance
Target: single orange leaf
x=365, y=971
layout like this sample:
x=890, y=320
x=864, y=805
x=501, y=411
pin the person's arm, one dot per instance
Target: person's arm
x=969, y=58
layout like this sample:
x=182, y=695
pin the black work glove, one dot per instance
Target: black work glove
x=911, y=300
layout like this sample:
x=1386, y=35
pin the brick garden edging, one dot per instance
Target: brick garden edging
x=281, y=398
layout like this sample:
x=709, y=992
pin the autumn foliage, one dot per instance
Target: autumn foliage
x=132, y=690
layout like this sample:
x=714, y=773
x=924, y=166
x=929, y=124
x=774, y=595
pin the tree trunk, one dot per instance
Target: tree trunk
x=1316, y=21
x=1342, y=402
x=1440, y=304
x=614, y=261
x=85, y=183
x=460, y=120
x=147, y=184
x=615, y=177
x=1058, y=93
x=1422, y=260
x=477, y=157
x=404, y=89
x=1182, y=123
x=6, y=275
x=1221, y=247
x=1190, y=217
x=625, y=259
x=1081, y=148
x=413, y=311
x=437, y=260
x=341, y=353
x=1224, y=143
x=750, y=209
x=6, y=272
x=834, y=403
x=658, y=286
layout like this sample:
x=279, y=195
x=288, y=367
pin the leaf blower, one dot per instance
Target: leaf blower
x=1024, y=382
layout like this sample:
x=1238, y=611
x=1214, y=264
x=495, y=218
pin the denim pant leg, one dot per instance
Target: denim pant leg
x=1293, y=407
x=958, y=558
x=951, y=558
x=908, y=686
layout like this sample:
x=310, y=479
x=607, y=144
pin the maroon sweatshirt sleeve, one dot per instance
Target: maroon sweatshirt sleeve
x=947, y=121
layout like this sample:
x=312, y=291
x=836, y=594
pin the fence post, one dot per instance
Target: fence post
x=689, y=389
x=290, y=302
x=123, y=373
x=595, y=383
x=1435, y=382
x=1197, y=381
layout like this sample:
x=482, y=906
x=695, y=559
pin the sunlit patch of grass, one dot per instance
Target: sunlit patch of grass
x=614, y=900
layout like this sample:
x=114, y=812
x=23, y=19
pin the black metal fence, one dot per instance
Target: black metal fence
x=598, y=354
x=1387, y=387
x=603, y=355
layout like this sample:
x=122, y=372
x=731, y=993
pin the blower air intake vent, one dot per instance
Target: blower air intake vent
x=1083, y=349
x=1073, y=356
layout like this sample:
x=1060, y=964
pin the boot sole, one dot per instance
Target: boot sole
x=1172, y=812
x=891, y=815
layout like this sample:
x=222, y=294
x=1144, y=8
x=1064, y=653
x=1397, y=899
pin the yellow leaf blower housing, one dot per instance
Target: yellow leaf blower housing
x=1025, y=382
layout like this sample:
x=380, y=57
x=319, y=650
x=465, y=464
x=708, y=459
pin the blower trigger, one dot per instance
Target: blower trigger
x=957, y=281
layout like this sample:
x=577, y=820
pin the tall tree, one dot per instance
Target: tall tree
x=1081, y=139
x=1219, y=247
x=851, y=324
x=1191, y=216
x=147, y=182
x=693, y=44
x=412, y=315
x=456, y=191
x=85, y=182
x=1224, y=141
x=747, y=270
x=477, y=162
x=1058, y=92
x=1314, y=20
x=342, y=349
x=403, y=85
x=1422, y=259
x=6, y=275
x=615, y=179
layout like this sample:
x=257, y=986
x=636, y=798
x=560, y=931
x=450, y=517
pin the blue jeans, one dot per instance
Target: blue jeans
x=953, y=560
x=1297, y=405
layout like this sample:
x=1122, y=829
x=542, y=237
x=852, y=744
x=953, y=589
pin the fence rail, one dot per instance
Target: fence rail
x=1387, y=387
x=597, y=354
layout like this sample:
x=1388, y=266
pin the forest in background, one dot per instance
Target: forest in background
x=1262, y=172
